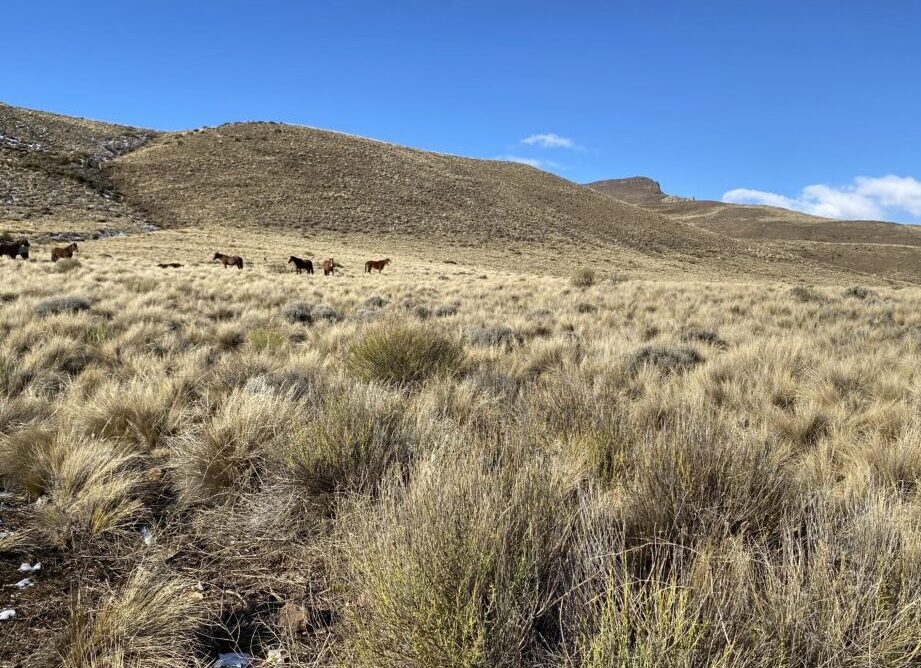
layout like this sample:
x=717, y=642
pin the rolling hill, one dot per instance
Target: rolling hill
x=62, y=173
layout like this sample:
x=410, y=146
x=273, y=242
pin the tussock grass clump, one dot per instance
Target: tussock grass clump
x=269, y=339
x=458, y=565
x=55, y=305
x=89, y=485
x=376, y=301
x=66, y=264
x=327, y=313
x=583, y=278
x=585, y=307
x=224, y=454
x=404, y=355
x=664, y=358
x=150, y=622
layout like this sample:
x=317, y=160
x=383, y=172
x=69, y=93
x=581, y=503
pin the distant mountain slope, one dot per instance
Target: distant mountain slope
x=54, y=169
x=752, y=222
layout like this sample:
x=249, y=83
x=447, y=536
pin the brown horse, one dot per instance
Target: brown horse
x=228, y=260
x=13, y=248
x=301, y=265
x=61, y=253
x=329, y=266
x=376, y=264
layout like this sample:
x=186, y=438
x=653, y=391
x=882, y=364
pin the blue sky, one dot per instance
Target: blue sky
x=813, y=105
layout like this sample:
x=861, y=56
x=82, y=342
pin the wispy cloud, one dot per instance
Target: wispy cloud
x=549, y=140
x=533, y=162
x=866, y=198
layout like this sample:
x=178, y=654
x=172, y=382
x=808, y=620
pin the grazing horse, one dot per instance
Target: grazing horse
x=14, y=248
x=329, y=266
x=228, y=260
x=301, y=265
x=61, y=253
x=376, y=264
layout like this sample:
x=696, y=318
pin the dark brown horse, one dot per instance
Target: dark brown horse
x=61, y=253
x=376, y=264
x=301, y=265
x=11, y=249
x=228, y=260
x=329, y=266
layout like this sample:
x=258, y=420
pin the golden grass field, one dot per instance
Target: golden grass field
x=451, y=465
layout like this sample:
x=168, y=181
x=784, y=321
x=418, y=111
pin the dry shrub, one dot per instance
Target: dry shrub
x=583, y=278
x=695, y=480
x=71, y=304
x=806, y=294
x=649, y=623
x=348, y=445
x=665, y=359
x=404, y=355
x=859, y=292
x=460, y=566
x=298, y=313
x=149, y=623
x=493, y=335
x=706, y=336
x=66, y=264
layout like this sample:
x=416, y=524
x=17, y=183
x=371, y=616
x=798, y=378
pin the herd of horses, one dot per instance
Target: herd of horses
x=329, y=265
x=20, y=248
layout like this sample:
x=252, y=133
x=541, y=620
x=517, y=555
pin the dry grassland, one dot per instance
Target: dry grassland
x=451, y=466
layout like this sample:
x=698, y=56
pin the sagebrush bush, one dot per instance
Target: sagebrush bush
x=859, y=292
x=707, y=336
x=298, y=312
x=404, y=355
x=664, y=358
x=62, y=305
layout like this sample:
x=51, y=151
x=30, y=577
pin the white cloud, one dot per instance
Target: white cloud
x=866, y=198
x=549, y=140
x=533, y=162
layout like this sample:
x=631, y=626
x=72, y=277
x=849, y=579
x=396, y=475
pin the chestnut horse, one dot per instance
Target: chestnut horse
x=14, y=248
x=61, y=253
x=301, y=265
x=329, y=266
x=228, y=260
x=376, y=264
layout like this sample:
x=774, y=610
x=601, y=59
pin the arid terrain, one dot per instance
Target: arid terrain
x=562, y=428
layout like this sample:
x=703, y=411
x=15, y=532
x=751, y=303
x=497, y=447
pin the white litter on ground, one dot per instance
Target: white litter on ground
x=25, y=582
x=147, y=535
x=27, y=568
x=5, y=534
x=233, y=660
x=6, y=615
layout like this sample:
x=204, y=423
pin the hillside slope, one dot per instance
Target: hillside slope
x=306, y=180
x=53, y=171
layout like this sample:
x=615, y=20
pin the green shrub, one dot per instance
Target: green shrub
x=404, y=355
